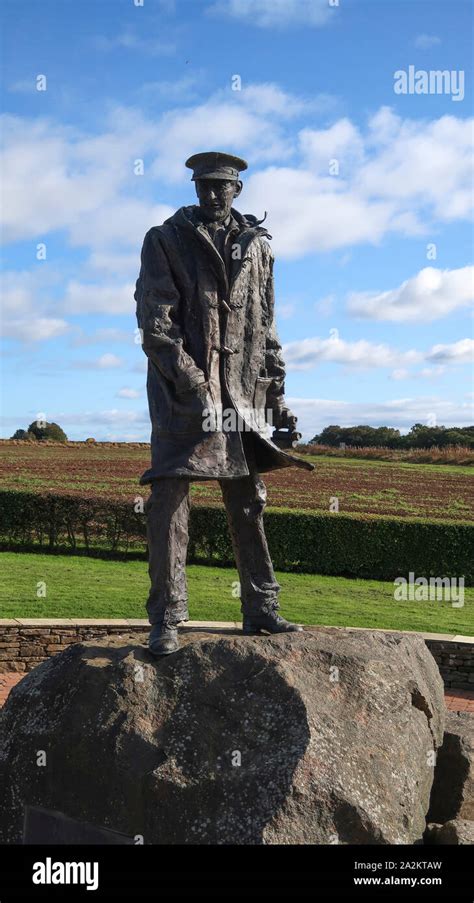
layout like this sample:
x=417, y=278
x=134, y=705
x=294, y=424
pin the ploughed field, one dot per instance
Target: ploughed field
x=360, y=486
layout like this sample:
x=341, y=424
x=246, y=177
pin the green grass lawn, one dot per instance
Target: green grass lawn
x=378, y=462
x=79, y=587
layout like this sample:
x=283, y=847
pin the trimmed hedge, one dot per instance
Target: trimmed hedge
x=373, y=547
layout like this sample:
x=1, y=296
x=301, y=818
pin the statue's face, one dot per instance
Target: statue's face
x=216, y=197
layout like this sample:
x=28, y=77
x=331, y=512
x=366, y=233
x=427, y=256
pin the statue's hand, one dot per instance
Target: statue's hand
x=284, y=419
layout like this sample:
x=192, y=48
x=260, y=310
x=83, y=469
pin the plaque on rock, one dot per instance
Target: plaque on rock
x=48, y=826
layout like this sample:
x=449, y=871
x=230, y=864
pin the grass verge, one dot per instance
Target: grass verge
x=79, y=587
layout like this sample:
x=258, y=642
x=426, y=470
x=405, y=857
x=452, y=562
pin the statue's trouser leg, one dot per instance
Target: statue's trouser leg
x=245, y=501
x=167, y=511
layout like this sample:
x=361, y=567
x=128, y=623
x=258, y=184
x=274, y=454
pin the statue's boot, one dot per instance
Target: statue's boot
x=270, y=622
x=163, y=639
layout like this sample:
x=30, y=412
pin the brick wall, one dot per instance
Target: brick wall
x=24, y=643
x=455, y=660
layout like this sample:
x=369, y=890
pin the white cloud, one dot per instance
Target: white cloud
x=397, y=176
x=29, y=313
x=247, y=132
x=180, y=88
x=109, y=361
x=426, y=41
x=21, y=288
x=307, y=353
x=128, y=393
x=58, y=178
x=383, y=127
x=275, y=13
x=110, y=263
x=423, y=164
x=432, y=372
x=424, y=373
x=106, y=336
x=111, y=416
x=308, y=214
x=267, y=98
x=32, y=311
x=111, y=425
x=316, y=413
x=313, y=415
x=40, y=194
x=122, y=222
x=35, y=329
x=82, y=298
x=104, y=362
x=431, y=294
x=130, y=40
x=341, y=141
x=461, y=352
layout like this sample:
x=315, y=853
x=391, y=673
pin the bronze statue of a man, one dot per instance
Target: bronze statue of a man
x=205, y=308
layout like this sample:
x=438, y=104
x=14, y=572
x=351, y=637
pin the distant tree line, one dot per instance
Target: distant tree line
x=420, y=436
x=50, y=431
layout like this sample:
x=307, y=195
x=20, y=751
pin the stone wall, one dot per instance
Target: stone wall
x=455, y=660
x=25, y=642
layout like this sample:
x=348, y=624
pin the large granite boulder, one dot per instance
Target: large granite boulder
x=327, y=736
x=452, y=794
x=458, y=832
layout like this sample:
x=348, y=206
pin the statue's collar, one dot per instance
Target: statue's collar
x=189, y=217
x=197, y=219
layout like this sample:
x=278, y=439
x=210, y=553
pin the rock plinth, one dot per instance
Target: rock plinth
x=452, y=794
x=327, y=736
x=457, y=832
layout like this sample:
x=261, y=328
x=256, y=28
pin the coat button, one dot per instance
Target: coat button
x=223, y=349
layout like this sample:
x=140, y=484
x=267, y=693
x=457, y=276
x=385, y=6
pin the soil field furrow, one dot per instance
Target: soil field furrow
x=360, y=486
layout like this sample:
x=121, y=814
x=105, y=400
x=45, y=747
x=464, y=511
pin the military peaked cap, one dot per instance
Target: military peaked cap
x=216, y=165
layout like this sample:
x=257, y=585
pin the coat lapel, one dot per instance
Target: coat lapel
x=243, y=238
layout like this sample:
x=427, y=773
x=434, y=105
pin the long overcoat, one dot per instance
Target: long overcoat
x=214, y=358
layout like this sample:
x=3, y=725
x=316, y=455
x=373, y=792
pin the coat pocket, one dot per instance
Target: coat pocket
x=188, y=409
x=262, y=385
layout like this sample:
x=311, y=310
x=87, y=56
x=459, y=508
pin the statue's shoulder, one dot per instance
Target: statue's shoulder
x=266, y=250
x=265, y=245
x=167, y=229
x=261, y=234
x=154, y=234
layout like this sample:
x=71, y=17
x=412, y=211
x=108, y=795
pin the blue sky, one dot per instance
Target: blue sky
x=368, y=194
